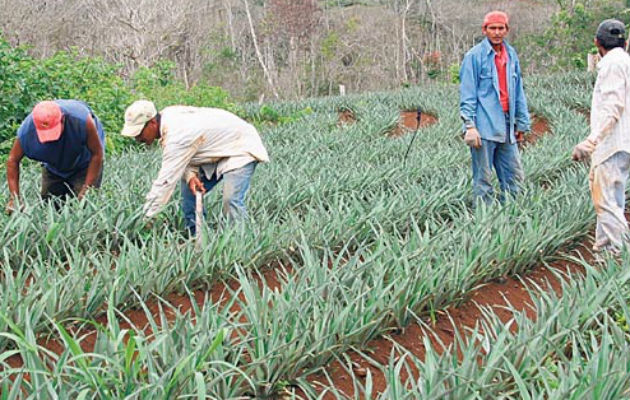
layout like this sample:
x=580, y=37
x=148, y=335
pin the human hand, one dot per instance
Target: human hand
x=472, y=138
x=520, y=137
x=195, y=185
x=82, y=193
x=147, y=224
x=583, y=150
x=10, y=208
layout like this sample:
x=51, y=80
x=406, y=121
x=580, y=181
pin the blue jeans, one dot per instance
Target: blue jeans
x=506, y=160
x=608, y=190
x=235, y=186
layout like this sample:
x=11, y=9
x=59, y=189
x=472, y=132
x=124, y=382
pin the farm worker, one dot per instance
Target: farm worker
x=200, y=148
x=69, y=141
x=608, y=144
x=494, y=109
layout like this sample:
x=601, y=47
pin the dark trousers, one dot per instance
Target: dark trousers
x=57, y=187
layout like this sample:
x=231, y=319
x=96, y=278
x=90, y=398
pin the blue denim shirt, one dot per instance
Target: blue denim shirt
x=479, y=93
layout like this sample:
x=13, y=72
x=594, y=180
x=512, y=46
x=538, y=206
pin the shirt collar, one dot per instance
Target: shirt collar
x=488, y=46
x=612, y=53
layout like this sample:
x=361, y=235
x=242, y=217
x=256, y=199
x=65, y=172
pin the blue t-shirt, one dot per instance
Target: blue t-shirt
x=69, y=154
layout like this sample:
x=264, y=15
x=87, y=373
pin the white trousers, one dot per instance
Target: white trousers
x=608, y=190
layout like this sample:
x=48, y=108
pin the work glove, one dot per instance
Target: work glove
x=472, y=138
x=583, y=150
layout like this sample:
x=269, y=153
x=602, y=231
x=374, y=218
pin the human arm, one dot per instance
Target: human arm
x=611, y=87
x=175, y=158
x=468, y=91
x=13, y=174
x=468, y=100
x=95, y=147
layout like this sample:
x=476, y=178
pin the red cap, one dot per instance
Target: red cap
x=496, y=17
x=47, y=118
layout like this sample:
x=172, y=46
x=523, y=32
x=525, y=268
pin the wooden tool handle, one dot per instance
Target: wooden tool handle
x=198, y=216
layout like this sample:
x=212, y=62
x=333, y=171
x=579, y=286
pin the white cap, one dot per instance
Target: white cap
x=136, y=116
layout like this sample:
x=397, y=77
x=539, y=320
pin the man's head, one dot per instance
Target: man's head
x=141, y=122
x=611, y=33
x=48, y=119
x=496, y=26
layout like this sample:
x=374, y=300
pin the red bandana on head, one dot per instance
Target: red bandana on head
x=496, y=17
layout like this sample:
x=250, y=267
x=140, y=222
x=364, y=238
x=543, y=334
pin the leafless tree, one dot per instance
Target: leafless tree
x=258, y=53
x=281, y=48
x=292, y=24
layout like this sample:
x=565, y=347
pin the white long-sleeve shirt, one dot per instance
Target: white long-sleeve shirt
x=610, y=108
x=192, y=137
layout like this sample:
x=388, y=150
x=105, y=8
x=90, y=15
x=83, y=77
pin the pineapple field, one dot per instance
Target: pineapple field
x=361, y=275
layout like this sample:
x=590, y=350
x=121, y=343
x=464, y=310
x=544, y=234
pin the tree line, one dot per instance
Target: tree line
x=257, y=49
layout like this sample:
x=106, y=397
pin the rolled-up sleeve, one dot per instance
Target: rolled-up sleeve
x=468, y=89
x=175, y=160
x=612, y=94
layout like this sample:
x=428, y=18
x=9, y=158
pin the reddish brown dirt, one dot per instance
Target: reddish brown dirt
x=492, y=295
x=137, y=320
x=346, y=117
x=540, y=127
x=408, y=122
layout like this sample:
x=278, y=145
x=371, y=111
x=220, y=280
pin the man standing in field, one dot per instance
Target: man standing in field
x=494, y=109
x=69, y=141
x=608, y=144
x=200, y=148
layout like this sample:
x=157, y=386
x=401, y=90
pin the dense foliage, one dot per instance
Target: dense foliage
x=25, y=80
x=565, y=43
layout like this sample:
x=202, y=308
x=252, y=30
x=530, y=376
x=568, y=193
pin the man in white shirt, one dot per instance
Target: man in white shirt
x=200, y=148
x=608, y=145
